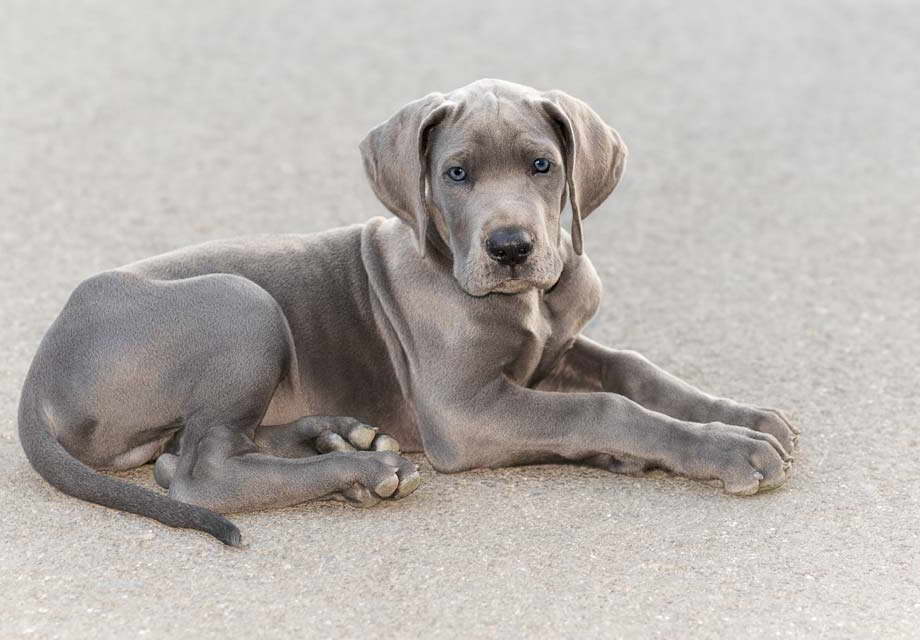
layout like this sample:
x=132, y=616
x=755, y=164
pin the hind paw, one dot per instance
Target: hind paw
x=348, y=434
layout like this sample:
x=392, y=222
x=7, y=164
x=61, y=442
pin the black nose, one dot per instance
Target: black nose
x=509, y=246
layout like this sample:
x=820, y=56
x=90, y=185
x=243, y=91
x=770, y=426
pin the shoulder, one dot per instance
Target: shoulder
x=390, y=235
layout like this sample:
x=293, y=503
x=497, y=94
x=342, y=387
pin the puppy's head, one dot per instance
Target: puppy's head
x=484, y=171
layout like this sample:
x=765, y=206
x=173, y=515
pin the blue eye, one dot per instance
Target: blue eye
x=541, y=165
x=457, y=174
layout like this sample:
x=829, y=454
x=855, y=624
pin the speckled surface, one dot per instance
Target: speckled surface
x=765, y=244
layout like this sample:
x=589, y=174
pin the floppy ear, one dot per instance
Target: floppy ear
x=595, y=156
x=395, y=159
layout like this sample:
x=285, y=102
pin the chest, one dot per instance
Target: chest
x=548, y=324
x=438, y=333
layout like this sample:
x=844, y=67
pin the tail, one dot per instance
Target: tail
x=69, y=475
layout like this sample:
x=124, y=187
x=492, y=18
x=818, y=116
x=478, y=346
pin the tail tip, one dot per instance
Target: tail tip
x=230, y=535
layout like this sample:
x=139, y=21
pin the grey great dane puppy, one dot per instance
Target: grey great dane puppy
x=455, y=328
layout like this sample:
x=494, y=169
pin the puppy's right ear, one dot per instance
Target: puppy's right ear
x=395, y=158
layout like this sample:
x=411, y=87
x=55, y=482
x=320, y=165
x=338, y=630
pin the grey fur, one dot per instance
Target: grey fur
x=206, y=359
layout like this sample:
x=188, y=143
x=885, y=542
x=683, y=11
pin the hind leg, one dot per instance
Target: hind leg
x=311, y=436
x=244, y=353
x=224, y=471
x=321, y=434
x=220, y=466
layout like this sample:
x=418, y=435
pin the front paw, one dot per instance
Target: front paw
x=746, y=461
x=777, y=425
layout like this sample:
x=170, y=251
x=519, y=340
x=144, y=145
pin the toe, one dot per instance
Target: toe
x=743, y=483
x=384, y=442
x=387, y=487
x=776, y=424
x=771, y=468
x=361, y=436
x=774, y=442
x=328, y=442
x=782, y=416
x=779, y=430
x=377, y=471
x=165, y=469
x=409, y=480
x=390, y=475
x=360, y=496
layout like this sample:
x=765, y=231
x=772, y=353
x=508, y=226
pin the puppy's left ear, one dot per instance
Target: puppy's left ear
x=595, y=156
x=395, y=159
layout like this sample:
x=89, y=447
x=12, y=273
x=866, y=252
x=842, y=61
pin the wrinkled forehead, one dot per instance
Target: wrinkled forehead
x=488, y=128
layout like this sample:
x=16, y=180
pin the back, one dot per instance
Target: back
x=321, y=285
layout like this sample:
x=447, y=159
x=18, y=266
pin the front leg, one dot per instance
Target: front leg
x=589, y=366
x=503, y=424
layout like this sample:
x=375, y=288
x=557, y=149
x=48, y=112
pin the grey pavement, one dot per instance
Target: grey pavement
x=764, y=244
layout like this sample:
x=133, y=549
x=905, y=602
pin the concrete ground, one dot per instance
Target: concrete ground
x=765, y=244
